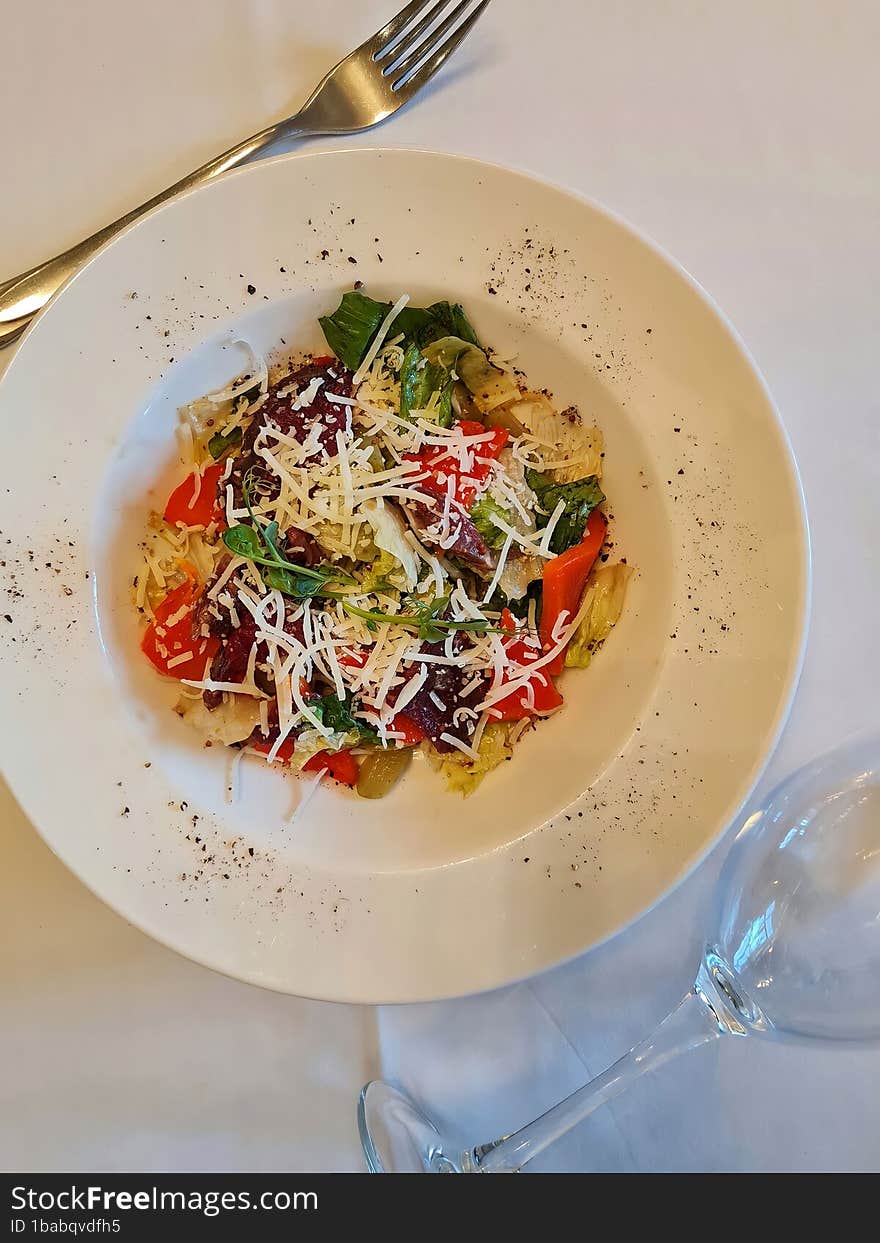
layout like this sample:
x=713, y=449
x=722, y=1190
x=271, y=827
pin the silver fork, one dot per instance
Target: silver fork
x=370, y=84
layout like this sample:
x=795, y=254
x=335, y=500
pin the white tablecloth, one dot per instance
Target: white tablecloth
x=741, y=137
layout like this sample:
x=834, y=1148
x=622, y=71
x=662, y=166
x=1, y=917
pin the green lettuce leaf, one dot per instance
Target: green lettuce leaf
x=311, y=742
x=481, y=516
x=389, y=535
x=464, y=774
x=580, y=500
x=604, y=598
x=562, y=435
x=377, y=577
x=489, y=386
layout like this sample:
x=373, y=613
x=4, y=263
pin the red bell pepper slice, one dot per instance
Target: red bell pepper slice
x=284, y=752
x=412, y=733
x=519, y=704
x=564, y=579
x=544, y=697
x=196, y=509
x=441, y=464
x=340, y=765
x=170, y=635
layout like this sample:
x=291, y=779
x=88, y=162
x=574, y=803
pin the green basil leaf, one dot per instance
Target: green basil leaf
x=442, y=319
x=519, y=608
x=354, y=323
x=352, y=326
x=580, y=499
x=336, y=714
x=458, y=322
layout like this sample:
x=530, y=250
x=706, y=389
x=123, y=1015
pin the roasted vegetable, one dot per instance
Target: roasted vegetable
x=603, y=599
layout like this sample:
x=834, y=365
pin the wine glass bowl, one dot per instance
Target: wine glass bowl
x=798, y=903
x=794, y=955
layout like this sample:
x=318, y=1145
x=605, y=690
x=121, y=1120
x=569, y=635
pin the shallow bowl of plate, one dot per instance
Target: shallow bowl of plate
x=605, y=806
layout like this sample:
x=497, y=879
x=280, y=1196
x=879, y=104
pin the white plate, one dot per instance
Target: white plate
x=606, y=805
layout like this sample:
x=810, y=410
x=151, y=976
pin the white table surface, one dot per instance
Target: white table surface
x=741, y=137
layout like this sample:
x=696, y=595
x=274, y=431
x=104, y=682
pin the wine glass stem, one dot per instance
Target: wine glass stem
x=689, y=1025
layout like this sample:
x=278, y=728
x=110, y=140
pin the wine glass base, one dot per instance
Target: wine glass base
x=397, y=1138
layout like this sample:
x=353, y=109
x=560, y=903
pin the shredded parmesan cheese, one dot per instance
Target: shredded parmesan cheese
x=347, y=473
x=379, y=338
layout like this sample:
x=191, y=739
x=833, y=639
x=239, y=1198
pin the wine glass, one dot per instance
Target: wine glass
x=793, y=954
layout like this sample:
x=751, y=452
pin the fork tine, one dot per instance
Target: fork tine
x=406, y=41
x=412, y=47
x=416, y=78
x=382, y=40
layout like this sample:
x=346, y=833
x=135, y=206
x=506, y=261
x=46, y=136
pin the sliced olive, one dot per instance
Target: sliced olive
x=381, y=770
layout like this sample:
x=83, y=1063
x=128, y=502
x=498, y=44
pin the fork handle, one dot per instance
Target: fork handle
x=23, y=296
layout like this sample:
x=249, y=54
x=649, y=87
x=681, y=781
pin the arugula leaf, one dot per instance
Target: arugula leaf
x=352, y=326
x=418, y=380
x=354, y=323
x=219, y=444
x=249, y=542
x=580, y=499
x=481, y=516
x=244, y=542
x=292, y=584
x=259, y=540
x=425, y=620
x=336, y=714
x=270, y=535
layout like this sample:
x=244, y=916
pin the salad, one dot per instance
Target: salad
x=393, y=547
